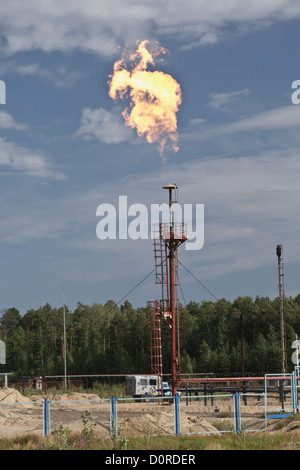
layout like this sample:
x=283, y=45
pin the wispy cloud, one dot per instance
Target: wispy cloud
x=61, y=77
x=278, y=118
x=222, y=100
x=196, y=121
x=27, y=161
x=8, y=122
x=282, y=118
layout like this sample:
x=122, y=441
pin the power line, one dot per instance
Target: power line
x=144, y=279
x=178, y=280
x=128, y=293
x=198, y=281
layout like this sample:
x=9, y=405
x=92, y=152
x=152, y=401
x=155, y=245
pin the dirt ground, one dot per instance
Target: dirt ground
x=18, y=415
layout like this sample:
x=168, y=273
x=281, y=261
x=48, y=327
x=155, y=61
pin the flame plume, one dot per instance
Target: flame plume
x=155, y=97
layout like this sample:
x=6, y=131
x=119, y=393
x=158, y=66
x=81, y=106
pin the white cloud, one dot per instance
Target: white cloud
x=61, y=77
x=104, y=126
x=196, y=121
x=27, y=161
x=8, y=122
x=102, y=26
x=282, y=118
x=221, y=100
x=279, y=118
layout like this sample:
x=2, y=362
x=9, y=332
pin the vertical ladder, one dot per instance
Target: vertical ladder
x=161, y=266
x=154, y=340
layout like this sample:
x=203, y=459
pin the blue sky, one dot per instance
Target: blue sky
x=238, y=152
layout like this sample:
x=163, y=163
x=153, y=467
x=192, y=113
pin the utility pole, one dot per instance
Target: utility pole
x=242, y=345
x=279, y=251
x=65, y=341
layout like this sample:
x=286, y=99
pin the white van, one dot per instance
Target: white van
x=140, y=385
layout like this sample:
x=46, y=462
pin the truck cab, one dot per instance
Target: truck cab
x=167, y=390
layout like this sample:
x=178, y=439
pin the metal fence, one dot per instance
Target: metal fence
x=154, y=416
x=157, y=416
x=251, y=411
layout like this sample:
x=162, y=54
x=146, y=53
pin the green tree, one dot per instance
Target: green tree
x=10, y=320
x=17, y=359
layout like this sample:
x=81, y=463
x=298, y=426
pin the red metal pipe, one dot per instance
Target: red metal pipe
x=173, y=313
x=232, y=379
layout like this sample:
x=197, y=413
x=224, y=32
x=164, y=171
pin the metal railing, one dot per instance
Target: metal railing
x=151, y=416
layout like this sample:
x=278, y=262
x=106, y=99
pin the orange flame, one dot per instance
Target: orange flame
x=155, y=97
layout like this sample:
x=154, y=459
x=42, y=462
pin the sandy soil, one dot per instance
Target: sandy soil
x=19, y=416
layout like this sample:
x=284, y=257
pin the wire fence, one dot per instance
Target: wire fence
x=156, y=416
x=217, y=412
x=153, y=416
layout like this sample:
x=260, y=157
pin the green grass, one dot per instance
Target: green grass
x=105, y=391
x=64, y=439
x=213, y=442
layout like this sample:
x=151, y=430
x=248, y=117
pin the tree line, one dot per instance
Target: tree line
x=220, y=337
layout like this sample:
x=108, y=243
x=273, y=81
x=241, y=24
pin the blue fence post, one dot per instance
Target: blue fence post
x=296, y=373
x=46, y=417
x=177, y=415
x=294, y=392
x=113, y=418
x=237, y=412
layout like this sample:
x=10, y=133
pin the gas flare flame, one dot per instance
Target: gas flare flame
x=155, y=97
